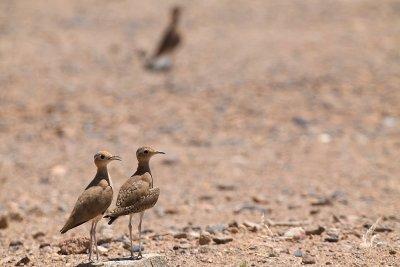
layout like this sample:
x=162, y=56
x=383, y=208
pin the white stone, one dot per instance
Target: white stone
x=148, y=260
x=324, y=138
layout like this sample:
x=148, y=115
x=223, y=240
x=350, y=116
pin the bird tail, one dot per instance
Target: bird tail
x=66, y=227
x=71, y=223
x=112, y=218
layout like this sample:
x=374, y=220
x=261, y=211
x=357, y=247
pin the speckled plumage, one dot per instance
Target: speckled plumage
x=137, y=194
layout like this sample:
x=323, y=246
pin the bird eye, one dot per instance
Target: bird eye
x=146, y=152
x=102, y=157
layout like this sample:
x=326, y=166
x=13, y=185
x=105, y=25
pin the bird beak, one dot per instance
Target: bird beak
x=115, y=158
x=159, y=152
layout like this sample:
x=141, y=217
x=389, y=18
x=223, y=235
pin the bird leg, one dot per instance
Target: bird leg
x=91, y=241
x=140, y=235
x=95, y=240
x=130, y=233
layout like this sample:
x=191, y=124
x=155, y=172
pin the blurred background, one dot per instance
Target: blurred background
x=273, y=104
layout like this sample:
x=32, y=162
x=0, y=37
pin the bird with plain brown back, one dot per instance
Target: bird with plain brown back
x=170, y=41
x=137, y=194
x=94, y=201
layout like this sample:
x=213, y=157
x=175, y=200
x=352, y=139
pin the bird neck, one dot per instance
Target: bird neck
x=142, y=168
x=174, y=22
x=101, y=174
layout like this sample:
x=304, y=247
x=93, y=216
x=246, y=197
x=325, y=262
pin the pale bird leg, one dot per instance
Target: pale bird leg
x=95, y=240
x=140, y=234
x=91, y=241
x=130, y=233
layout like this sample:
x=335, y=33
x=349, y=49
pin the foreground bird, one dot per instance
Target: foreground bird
x=94, y=201
x=137, y=194
x=170, y=40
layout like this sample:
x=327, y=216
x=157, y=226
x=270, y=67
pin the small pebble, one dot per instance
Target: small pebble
x=217, y=228
x=16, y=243
x=253, y=227
x=185, y=246
x=298, y=253
x=204, y=239
x=180, y=235
x=74, y=245
x=24, y=261
x=321, y=201
x=295, y=233
x=308, y=259
x=260, y=199
x=136, y=248
x=102, y=249
x=222, y=239
x=15, y=216
x=38, y=235
x=171, y=211
x=43, y=245
x=3, y=222
x=226, y=187
x=315, y=230
x=233, y=224
x=233, y=230
x=333, y=238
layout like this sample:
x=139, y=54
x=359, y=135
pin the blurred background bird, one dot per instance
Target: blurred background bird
x=162, y=58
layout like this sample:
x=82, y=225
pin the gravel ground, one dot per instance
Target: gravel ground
x=276, y=112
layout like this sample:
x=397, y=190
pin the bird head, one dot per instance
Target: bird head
x=145, y=153
x=175, y=13
x=102, y=158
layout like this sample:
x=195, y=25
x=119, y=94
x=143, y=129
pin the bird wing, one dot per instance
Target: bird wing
x=92, y=202
x=135, y=196
x=132, y=190
x=142, y=204
x=169, y=41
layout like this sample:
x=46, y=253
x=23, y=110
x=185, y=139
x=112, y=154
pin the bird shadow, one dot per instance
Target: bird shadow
x=91, y=264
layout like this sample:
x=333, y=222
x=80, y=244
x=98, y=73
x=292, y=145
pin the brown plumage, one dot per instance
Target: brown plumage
x=171, y=37
x=95, y=199
x=170, y=40
x=137, y=194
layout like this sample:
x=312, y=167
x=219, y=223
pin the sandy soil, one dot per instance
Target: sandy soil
x=291, y=104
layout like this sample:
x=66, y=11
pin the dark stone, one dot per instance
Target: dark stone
x=3, y=222
x=24, y=261
x=16, y=243
x=301, y=122
x=321, y=201
x=315, y=230
x=332, y=238
x=222, y=239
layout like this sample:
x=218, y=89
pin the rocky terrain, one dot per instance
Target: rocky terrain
x=280, y=120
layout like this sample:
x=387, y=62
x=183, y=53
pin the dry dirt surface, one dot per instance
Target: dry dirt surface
x=277, y=112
